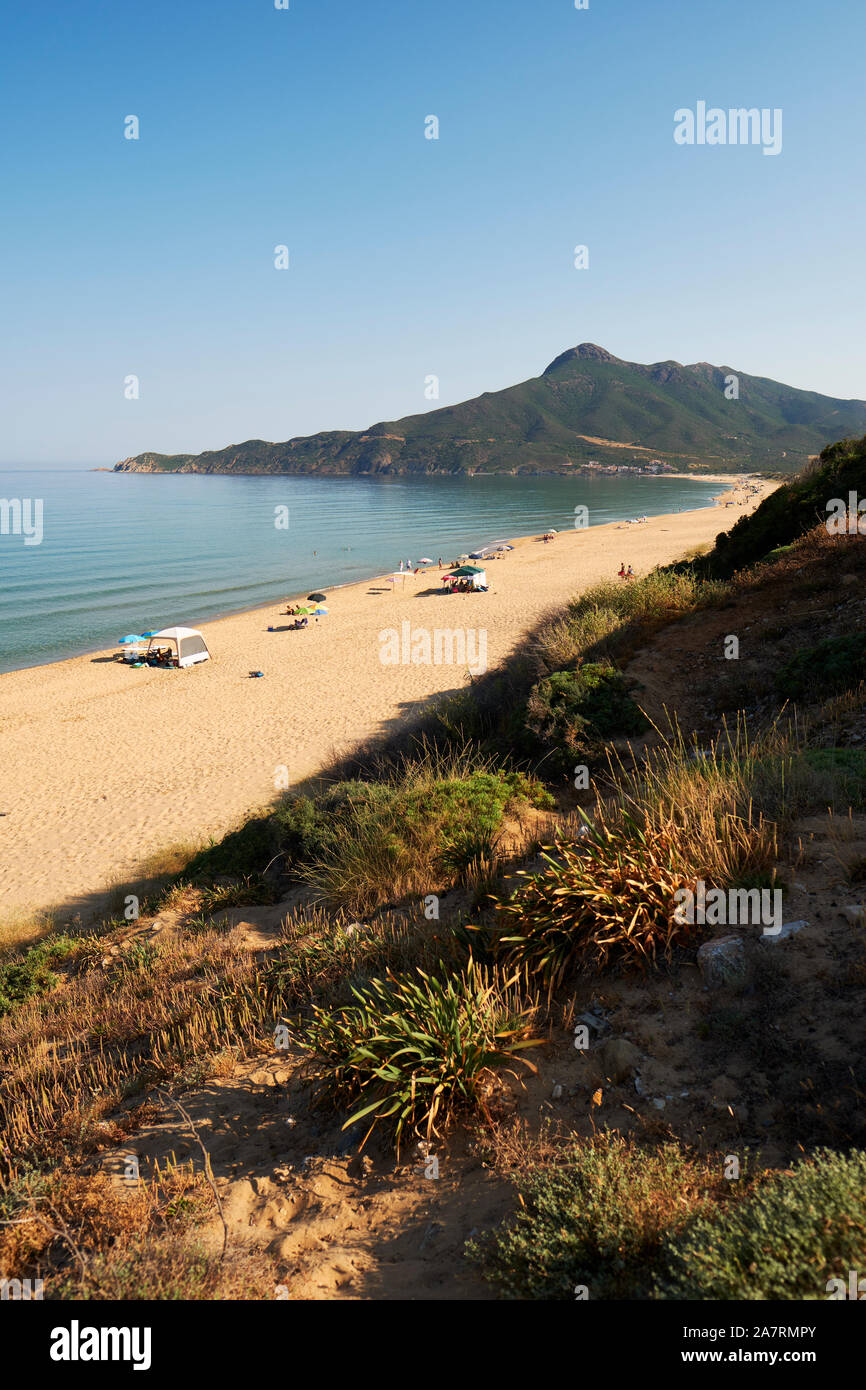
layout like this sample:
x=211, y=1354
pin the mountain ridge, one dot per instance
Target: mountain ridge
x=587, y=406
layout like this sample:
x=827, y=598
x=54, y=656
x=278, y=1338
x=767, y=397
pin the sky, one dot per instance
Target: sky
x=408, y=257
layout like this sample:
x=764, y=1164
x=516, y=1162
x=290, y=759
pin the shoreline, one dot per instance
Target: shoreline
x=106, y=765
x=228, y=613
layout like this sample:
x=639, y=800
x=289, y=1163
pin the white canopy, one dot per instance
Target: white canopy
x=191, y=646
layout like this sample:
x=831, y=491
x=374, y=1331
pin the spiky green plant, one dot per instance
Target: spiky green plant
x=417, y=1048
x=606, y=896
x=248, y=891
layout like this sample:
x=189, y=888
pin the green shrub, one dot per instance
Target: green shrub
x=783, y=1241
x=366, y=844
x=596, y=1219
x=573, y=712
x=836, y=664
x=32, y=974
x=777, y=554
x=788, y=513
x=309, y=827
x=247, y=850
x=810, y=780
x=416, y=1048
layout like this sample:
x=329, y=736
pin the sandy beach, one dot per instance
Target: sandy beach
x=103, y=765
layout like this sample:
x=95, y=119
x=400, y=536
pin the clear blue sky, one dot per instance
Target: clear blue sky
x=408, y=256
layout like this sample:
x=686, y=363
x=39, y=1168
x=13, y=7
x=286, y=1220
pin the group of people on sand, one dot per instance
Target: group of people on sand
x=625, y=573
x=300, y=617
x=159, y=656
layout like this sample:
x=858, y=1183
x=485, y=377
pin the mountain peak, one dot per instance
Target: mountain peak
x=585, y=352
x=588, y=407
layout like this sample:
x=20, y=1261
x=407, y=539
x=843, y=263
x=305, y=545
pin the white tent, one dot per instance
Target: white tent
x=189, y=644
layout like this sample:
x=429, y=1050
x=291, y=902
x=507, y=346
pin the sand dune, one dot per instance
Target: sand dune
x=103, y=765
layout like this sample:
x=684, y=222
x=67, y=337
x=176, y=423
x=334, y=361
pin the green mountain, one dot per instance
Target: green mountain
x=586, y=406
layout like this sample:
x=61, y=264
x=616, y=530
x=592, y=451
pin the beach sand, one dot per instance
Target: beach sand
x=104, y=765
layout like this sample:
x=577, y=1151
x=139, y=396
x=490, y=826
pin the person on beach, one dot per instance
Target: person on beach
x=630, y=573
x=622, y=570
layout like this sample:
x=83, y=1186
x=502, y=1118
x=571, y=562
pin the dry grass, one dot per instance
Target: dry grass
x=20, y=931
x=152, y=877
x=182, y=1011
x=708, y=799
x=90, y=1238
x=72, y=1056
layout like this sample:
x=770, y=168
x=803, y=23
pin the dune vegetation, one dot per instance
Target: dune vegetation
x=465, y=942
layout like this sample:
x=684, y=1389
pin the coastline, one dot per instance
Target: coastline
x=92, y=648
x=106, y=765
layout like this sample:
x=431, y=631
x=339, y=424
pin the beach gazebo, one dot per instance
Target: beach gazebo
x=474, y=573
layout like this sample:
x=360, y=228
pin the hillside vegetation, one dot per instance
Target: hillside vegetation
x=464, y=949
x=790, y=511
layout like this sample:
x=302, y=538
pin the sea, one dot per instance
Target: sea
x=92, y=556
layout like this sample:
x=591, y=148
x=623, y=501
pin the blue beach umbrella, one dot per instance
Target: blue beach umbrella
x=130, y=637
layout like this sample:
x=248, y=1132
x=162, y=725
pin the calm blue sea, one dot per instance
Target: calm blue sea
x=132, y=552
